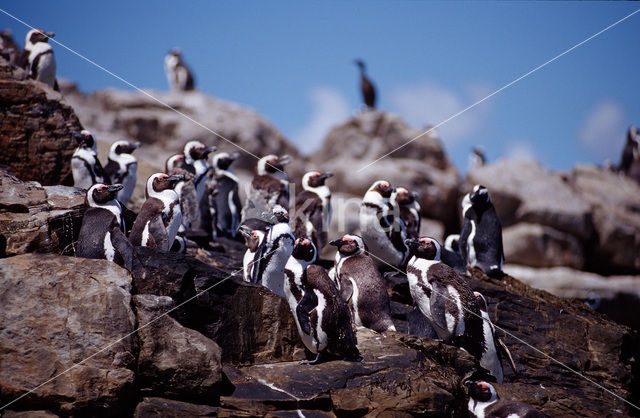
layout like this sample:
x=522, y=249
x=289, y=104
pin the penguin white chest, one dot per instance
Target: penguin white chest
x=321, y=336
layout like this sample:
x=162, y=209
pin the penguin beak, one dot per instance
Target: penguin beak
x=77, y=135
x=414, y=195
x=132, y=147
x=336, y=243
x=115, y=187
x=234, y=156
x=412, y=243
x=326, y=175
x=245, y=231
x=50, y=34
x=174, y=179
x=284, y=160
x=209, y=150
x=469, y=383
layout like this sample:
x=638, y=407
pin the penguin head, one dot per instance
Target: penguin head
x=304, y=250
x=479, y=195
x=196, y=150
x=424, y=247
x=313, y=179
x=280, y=214
x=482, y=302
x=175, y=51
x=175, y=162
x=223, y=160
x=272, y=164
x=360, y=64
x=349, y=244
x=99, y=194
x=122, y=147
x=404, y=197
x=452, y=243
x=85, y=139
x=633, y=136
x=252, y=237
x=37, y=35
x=160, y=182
x=481, y=391
x=382, y=187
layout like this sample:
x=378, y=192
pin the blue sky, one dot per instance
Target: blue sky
x=293, y=63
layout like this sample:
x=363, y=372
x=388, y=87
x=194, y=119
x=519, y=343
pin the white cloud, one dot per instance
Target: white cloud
x=425, y=104
x=603, y=132
x=329, y=108
x=520, y=150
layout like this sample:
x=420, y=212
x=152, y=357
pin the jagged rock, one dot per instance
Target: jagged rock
x=114, y=114
x=160, y=407
x=541, y=246
x=421, y=166
x=38, y=219
x=58, y=311
x=29, y=414
x=615, y=200
x=523, y=191
x=249, y=322
x=174, y=361
x=36, y=124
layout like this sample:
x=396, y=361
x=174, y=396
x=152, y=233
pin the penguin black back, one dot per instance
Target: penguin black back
x=366, y=86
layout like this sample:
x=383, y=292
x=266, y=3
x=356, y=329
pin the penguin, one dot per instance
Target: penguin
x=380, y=226
x=630, y=162
x=254, y=230
x=313, y=209
x=477, y=158
x=361, y=285
x=366, y=86
x=192, y=193
x=101, y=233
x=179, y=76
x=409, y=210
x=269, y=186
x=451, y=254
x=494, y=348
x=324, y=318
x=443, y=297
x=40, y=62
x=85, y=165
x=484, y=402
x=227, y=201
x=481, y=235
x=122, y=167
x=157, y=223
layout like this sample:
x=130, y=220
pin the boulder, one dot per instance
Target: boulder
x=174, y=361
x=39, y=219
x=67, y=329
x=156, y=407
x=421, y=165
x=541, y=246
x=523, y=191
x=615, y=201
x=36, y=129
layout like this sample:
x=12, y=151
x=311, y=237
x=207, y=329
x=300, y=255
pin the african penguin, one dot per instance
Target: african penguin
x=227, y=200
x=195, y=158
x=451, y=254
x=122, y=167
x=254, y=230
x=630, y=162
x=443, y=297
x=178, y=74
x=157, y=223
x=275, y=251
x=324, y=318
x=41, y=64
x=366, y=87
x=477, y=158
x=313, y=209
x=409, y=210
x=484, y=402
x=85, y=166
x=361, y=285
x=481, y=235
x=380, y=226
x=101, y=234
x=269, y=186
x=494, y=348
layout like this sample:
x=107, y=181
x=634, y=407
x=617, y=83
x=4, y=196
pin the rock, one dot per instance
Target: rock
x=61, y=311
x=541, y=246
x=523, y=191
x=36, y=129
x=420, y=166
x=615, y=200
x=39, y=219
x=114, y=114
x=174, y=361
x=29, y=414
x=156, y=407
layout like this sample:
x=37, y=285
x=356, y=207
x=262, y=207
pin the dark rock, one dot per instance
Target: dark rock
x=174, y=361
x=29, y=414
x=57, y=312
x=36, y=129
x=541, y=246
x=39, y=219
x=159, y=407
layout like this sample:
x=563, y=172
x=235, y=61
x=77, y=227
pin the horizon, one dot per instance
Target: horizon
x=427, y=60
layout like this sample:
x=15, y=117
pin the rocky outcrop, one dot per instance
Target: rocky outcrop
x=58, y=312
x=36, y=124
x=420, y=165
x=38, y=219
x=541, y=246
x=159, y=407
x=174, y=361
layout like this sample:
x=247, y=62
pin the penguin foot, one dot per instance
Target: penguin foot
x=320, y=358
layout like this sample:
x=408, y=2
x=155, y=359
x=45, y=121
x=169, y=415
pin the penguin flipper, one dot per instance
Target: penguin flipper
x=303, y=311
x=346, y=289
x=124, y=249
x=158, y=232
x=438, y=306
x=504, y=350
x=129, y=217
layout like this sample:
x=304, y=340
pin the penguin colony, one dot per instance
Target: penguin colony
x=283, y=252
